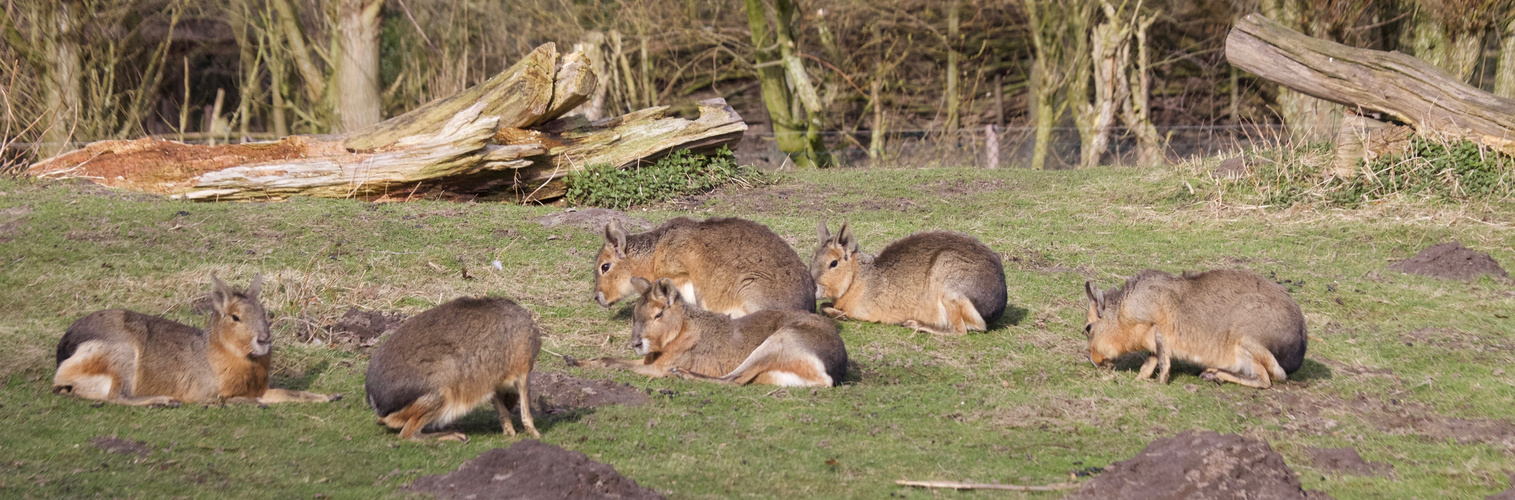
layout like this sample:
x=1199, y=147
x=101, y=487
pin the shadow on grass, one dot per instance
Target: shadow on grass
x=1012, y=316
x=1311, y=370
x=485, y=420
x=301, y=382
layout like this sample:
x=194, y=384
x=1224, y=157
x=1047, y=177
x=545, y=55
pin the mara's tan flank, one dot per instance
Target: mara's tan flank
x=1241, y=327
x=130, y=358
x=776, y=347
x=727, y=265
x=441, y=364
x=937, y=281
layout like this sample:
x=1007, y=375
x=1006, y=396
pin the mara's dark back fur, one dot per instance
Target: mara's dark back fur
x=977, y=271
x=734, y=249
x=120, y=325
x=468, y=341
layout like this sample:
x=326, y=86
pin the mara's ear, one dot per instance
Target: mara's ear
x=845, y=238
x=1096, y=296
x=666, y=292
x=641, y=284
x=256, y=286
x=220, y=294
x=616, y=237
x=821, y=232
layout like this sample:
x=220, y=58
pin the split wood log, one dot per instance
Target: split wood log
x=504, y=138
x=1408, y=89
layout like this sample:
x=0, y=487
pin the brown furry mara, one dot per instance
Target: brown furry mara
x=937, y=281
x=130, y=358
x=1239, y=326
x=776, y=347
x=444, y=362
x=727, y=265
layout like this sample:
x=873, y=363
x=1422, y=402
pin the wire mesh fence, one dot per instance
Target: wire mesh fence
x=968, y=147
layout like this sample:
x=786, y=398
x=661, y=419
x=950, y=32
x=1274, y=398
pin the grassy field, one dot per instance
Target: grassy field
x=1411, y=371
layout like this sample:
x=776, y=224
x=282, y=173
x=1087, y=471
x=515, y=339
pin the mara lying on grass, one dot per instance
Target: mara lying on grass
x=776, y=347
x=937, y=281
x=441, y=364
x=1239, y=326
x=130, y=358
x=727, y=265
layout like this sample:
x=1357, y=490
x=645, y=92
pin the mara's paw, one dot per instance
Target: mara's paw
x=1211, y=374
x=452, y=436
x=834, y=312
x=168, y=403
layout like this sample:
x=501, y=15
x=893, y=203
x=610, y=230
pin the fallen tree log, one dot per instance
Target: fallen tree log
x=502, y=139
x=1405, y=88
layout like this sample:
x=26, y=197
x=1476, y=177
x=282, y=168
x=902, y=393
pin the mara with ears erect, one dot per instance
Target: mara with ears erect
x=776, y=347
x=441, y=364
x=727, y=265
x=125, y=357
x=937, y=281
x=1239, y=326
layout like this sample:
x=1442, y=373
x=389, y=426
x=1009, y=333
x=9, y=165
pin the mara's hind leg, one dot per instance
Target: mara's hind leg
x=1148, y=366
x=1257, y=366
x=1261, y=381
x=273, y=395
x=964, y=317
x=412, y=419
x=103, y=372
x=1164, y=358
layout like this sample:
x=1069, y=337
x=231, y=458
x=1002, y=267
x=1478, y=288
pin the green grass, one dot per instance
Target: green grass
x=1018, y=404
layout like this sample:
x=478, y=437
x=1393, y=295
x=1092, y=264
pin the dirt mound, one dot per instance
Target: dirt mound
x=560, y=391
x=364, y=327
x=1199, y=465
x=1450, y=261
x=113, y=444
x=594, y=219
x=1347, y=461
x=531, y=469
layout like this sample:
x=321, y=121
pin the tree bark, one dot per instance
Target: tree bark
x=458, y=146
x=1137, y=112
x=357, y=97
x=1110, y=54
x=1504, y=76
x=793, y=105
x=1407, y=89
x=63, y=91
x=951, y=91
x=289, y=23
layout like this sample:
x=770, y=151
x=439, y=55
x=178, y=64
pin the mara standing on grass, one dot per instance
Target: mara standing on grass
x=441, y=364
x=728, y=265
x=937, y=281
x=130, y=358
x=775, y=347
x=1240, y=326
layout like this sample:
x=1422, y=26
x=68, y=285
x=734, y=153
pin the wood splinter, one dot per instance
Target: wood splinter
x=985, y=486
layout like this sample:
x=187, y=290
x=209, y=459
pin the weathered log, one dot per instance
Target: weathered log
x=1403, y=87
x=453, y=146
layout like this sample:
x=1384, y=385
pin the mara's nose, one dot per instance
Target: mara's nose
x=600, y=297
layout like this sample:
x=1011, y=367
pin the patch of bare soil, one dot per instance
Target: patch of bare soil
x=1450, y=261
x=1302, y=413
x=11, y=220
x=1347, y=461
x=1447, y=338
x=594, y=219
x=1199, y=465
x=113, y=444
x=1506, y=494
x=363, y=327
x=964, y=187
x=559, y=391
x=531, y=469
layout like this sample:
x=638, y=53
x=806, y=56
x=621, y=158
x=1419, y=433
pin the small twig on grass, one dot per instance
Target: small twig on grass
x=985, y=486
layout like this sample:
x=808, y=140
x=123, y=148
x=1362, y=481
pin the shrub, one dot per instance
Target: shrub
x=1453, y=171
x=681, y=173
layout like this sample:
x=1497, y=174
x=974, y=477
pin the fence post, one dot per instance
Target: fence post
x=991, y=147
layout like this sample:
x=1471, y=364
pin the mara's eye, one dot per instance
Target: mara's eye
x=659, y=315
x=1088, y=328
x=236, y=318
x=833, y=264
x=604, y=268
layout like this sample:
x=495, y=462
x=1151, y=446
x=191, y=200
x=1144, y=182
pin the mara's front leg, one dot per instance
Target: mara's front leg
x=273, y=395
x=640, y=365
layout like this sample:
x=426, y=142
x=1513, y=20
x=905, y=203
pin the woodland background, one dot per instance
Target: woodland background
x=1072, y=83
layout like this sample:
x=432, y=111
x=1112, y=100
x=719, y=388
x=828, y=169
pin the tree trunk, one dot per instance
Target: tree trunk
x=1504, y=76
x=357, y=97
x=1406, y=88
x=593, y=49
x=1109, y=55
x=778, y=74
x=289, y=24
x=950, y=90
x=1138, y=111
x=465, y=145
x=63, y=90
